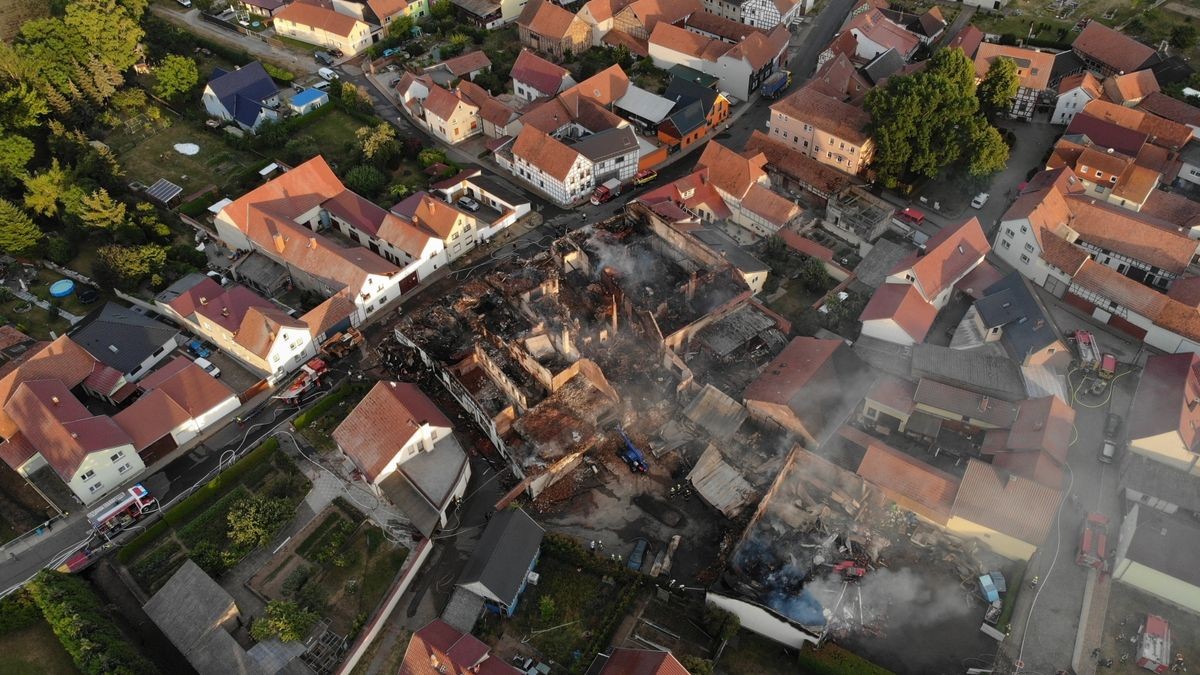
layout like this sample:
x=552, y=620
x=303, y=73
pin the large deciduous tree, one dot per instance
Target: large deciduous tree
x=999, y=86
x=176, y=75
x=925, y=122
x=102, y=211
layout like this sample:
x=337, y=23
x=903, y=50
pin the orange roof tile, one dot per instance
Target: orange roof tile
x=150, y=418
x=1172, y=208
x=260, y=328
x=792, y=370
x=189, y=386
x=808, y=171
x=1119, y=288
x=1033, y=66
x=772, y=207
x=334, y=310
x=440, y=649
x=54, y=422
x=465, y=64
x=317, y=16
x=442, y=103
x=1161, y=131
x=906, y=480
x=731, y=172
x=950, y=254
x=1130, y=88
x=1016, y=506
x=1136, y=183
x=546, y=19
x=903, y=304
x=968, y=40
x=1085, y=81
x=385, y=8
x=491, y=109
x=625, y=661
x=61, y=360
x=544, y=152
x=827, y=114
x=1115, y=50
x=878, y=29
x=604, y=87
x=760, y=49
x=383, y=422
x=1140, y=237
x=1158, y=103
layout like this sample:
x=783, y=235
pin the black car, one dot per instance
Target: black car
x=1112, y=426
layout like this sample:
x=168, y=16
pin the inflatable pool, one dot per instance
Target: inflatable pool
x=62, y=288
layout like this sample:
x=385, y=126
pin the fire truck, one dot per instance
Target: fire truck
x=309, y=376
x=1154, y=644
x=1093, y=543
x=121, y=510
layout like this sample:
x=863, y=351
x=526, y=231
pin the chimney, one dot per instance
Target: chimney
x=1110, y=151
x=224, y=311
x=54, y=400
x=984, y=403
x=280, y=243
x=203, y=300
x=74, y=435
x=614, y=318
x=312, y=242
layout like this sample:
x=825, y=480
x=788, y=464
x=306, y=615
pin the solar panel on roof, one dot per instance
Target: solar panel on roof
x=163, y=191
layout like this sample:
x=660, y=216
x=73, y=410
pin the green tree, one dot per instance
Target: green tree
x=1183, y=36
x=814, y=276
x=430, y=156
x=378, y=143
x=15, y=153
x=43, y=190
x=175, y=76
x=300, y=149
x=111, y=34
x=441, y=9
x=127, y=267
x=547, y=609
x=84, y=626
x=102, y=211
x=254, y=521
x=401, y=28
x=925, y=122
x=999, y=86
x=987, y=151
x=21, y=106
x=366, y=180
x=284, y=620
x=19, y=235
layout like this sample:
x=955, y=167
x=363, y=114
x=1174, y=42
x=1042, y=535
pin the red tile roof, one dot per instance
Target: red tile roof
x=792, y=370
x=542, y=75
x=1163, y=401
x=801, y=244
x=317, y=16
x=385, y=8
x=730, y=171
x=103, y=379
x=785, y=159
x=903, y=304
x=546, y=19
x=642, y=662
x=949, y=255
x=59, y=427
x=1085, y=81
x=827, y=114
x=1172, y=208
x=442, y=103
x=465, y=64
x=61, y=360
x=383, y=422
x=1159, y=130
x=260, y=328
x=16, y=451
x=441, y=649
x=1139, y=237
x=1119, y=52
x=1158, y=103
x=188, y=385
x=906, y=480
x=1033, y=66
x=11, y=337
x=1012, y=505
x=324, y=316
x=1131, y=87
x=968, y=40
x=604, y=87
x=151, y=417
x=878, y=29
x=544, y=152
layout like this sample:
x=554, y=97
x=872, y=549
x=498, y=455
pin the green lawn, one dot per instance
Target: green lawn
x=35, y=322
x=70, y=303
x=299, y=45
x=34, y=651
x=750, y=654
x=317, y=427
x=334, y=133
x=150, y=155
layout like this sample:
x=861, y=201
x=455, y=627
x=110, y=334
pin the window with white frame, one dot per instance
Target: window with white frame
x=124, y=467
x=95, y=487
x=88, y=475
x=117, y=456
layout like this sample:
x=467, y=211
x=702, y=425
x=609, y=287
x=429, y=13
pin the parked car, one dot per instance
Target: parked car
x=323, y=57
x=327, y=74
x=185, y=3
x=1112, y=426
x=644, y=177
x=979, y=200
x=197, y=347
x=208, y=366
x=468, y=203
x=1108, y=453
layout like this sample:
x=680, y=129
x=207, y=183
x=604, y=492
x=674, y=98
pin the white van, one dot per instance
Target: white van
x=327, y=74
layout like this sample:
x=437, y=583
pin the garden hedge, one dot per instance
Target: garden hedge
x=18, y=612
x=321, y=407
x=83, y=626
x=129, y=551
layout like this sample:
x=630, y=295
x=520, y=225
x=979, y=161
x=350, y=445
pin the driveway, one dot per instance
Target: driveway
x=256, y=46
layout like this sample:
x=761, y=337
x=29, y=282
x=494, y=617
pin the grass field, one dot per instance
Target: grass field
x=34, y=651
x=35, y=322
x=334, y=134
x=299, y=45
x=148, y=156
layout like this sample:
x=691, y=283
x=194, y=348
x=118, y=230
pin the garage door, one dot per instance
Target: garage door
x=1078, y=302
x=157, y=450
x=1126, y=327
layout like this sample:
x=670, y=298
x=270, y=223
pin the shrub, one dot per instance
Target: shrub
x=285, y=620
x=295, y=581
x=278, y=74
x=321, y=407
x=17, y=612
x=84, y=627
x=155, y=565
x=59, y=250
x=255, y=520
x=179, y=514
x=141, y=541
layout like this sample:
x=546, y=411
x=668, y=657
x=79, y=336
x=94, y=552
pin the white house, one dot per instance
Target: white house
x=897, y=313
x=1074, y=93
x=568, y=173
x=741, y=67
x=246, y=95
x=490, y=194
x=404, y=447
x=949, y=256
x=129, y=342
x=322, y=26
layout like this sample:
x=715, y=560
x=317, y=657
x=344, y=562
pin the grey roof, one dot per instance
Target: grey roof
x=648, y=106
x=243, y=91
x=718, y=414
x=189, y=607
x=504, y=554
x=481, y=8
x=1172, y=70
x=1065, y=63
x=729, y=249
x=727, y=334
x=883, y=355
x=683, y=90
x=607, y=144
x=721, y=485
x=1156, y=479
x=924, y=424
x=687, y=118
x=880, y=261
x=183, y=285
x=498, y=190
x=693, y=75
x=1026, y=325
x=120, y=337
x=463, y=609
x=1167, y=543
x=261, y=272
x=423, y=485
x=883, y=66
x=976, y=370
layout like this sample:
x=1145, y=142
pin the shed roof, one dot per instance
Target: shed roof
x=505, y=552
x=1010, y=504
x=190, y=606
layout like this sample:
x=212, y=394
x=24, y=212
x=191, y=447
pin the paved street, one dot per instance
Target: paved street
x=190, y=20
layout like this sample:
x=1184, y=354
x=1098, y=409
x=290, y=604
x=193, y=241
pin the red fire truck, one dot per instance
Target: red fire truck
x=121, y=510
x=1093, y=542
x=1154, y=644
